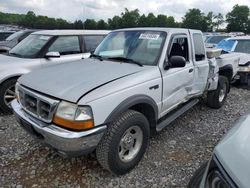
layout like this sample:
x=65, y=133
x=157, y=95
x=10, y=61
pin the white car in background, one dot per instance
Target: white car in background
x=240, y=45
x=43, y=49
x=213, y=40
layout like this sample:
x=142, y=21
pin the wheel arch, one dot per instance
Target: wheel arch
x=141, y=103
x=10, y=77
x=227, y=71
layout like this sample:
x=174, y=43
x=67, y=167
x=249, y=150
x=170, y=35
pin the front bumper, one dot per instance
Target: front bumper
x=65, y=142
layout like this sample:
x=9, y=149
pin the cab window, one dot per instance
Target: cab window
x=179, y=47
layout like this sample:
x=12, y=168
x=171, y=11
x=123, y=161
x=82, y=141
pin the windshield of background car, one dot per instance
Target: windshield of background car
x=141, y=46
x=15, y=35
x=243, y=46
x=215, y=39
x=226, y=45
x=30, y=46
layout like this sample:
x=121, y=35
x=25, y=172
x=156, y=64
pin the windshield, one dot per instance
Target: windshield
x=215, y=39
x=30, y=46
x=226, y=45
x=15, y=35
x=243, y=46
x=143, y=47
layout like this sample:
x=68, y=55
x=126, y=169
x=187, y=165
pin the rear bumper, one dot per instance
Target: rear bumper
x=65, y=142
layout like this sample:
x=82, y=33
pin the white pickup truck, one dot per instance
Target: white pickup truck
x=136, y=82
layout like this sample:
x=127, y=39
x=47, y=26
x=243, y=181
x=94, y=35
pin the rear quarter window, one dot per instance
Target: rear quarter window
x=199, y=49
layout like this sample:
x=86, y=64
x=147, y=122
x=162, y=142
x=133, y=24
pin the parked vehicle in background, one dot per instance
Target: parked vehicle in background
x=5, y=34
x=229, y=166
x=213, y=40
x=42, y=49
x=136, y=82
x=240, y=45
x=14, y=39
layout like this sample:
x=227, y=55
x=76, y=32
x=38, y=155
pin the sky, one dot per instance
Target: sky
x=104, y=9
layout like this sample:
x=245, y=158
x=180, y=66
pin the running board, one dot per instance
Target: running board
x=174, y=115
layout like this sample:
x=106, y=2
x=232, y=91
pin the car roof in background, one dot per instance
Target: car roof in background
x=71, y=32
x=239, y=38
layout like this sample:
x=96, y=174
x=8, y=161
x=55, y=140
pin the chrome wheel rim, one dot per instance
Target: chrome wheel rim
x=9, y=95
x=223, y=91
x=130, y=144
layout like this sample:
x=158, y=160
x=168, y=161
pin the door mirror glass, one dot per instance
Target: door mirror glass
x=176, y=62
x=52, y=55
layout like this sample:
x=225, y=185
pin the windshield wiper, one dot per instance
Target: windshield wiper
x=96, y=56
x=15, y=54
x=126, y=60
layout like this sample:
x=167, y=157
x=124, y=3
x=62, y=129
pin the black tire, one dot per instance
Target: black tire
x=213, y=97
x=3, y=88
x=197, y=177
x=107, y=151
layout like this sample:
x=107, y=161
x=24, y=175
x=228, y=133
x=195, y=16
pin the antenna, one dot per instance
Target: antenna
x=83, y=16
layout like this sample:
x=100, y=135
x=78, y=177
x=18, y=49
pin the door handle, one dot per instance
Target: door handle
x=191, y=70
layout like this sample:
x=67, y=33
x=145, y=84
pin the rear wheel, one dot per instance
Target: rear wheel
x=7, y=94
x=216, y=98
x=124, y=143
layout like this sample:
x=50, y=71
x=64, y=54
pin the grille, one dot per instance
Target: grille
x=36, y=105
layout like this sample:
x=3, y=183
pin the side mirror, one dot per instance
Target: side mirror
x=175, y=62
x=52, y=55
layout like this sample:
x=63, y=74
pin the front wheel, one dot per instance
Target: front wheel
x=124, y=143
x=197, y=177
x=216, y=98
x=7, y=94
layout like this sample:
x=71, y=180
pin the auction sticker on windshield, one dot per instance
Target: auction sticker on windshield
x=44, y=37
x=149, y=36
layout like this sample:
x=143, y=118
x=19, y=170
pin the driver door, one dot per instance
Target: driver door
x=177, y=82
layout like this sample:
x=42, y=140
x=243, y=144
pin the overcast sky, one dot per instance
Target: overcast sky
x=103, y=9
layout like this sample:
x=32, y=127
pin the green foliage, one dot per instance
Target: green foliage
x=195, y=19
x=238, y=19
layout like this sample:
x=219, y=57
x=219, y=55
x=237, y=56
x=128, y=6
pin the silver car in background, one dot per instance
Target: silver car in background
x=229, y=166
x=43, y=49
x=14, y=39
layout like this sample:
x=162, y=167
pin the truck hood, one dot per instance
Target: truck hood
x=233, y=152
x=70, y=81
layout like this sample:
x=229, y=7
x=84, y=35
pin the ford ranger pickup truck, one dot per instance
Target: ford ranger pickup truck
x=136, y=83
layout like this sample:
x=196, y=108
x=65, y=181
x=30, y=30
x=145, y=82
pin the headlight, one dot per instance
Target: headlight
x=73, y=117
x=17, y=91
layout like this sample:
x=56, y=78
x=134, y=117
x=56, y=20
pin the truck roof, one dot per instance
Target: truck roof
x=71, y=32
x=166, y=29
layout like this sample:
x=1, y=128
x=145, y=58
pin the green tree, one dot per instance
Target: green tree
x=130, y=18
x=90, y=24
x=238, y=18
x=101, y=24
x=115, y=22
x=78, y=24
x=218, y=21
x=195, y=19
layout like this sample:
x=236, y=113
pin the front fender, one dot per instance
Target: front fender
x=5, y=75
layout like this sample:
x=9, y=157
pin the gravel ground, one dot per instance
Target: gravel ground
x=170, y=161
